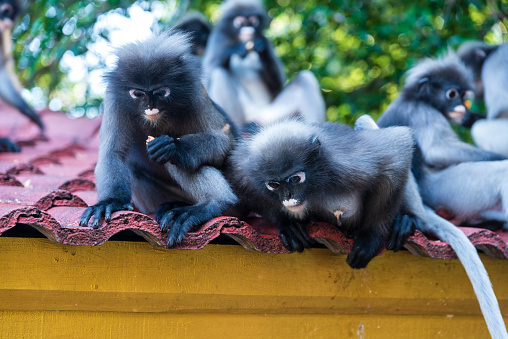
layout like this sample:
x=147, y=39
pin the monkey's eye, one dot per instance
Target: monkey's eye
x=272, y=185
x=239, y=21
x=6, y=10
x=296, y=178
x=452, y=93
x=163, y=92
x=136, y=93
x=254, y=21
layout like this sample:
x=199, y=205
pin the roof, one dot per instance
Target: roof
x=50, y=183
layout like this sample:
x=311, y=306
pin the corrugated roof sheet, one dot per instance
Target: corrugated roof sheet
x=50, y=183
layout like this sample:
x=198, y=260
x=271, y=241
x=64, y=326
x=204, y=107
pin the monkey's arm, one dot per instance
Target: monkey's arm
x=191, y=151
x=273, y=70
x=112, y=174
x=10, y=95
x=442, y=153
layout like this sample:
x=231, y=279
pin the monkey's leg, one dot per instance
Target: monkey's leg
x=302, y=96
x=9, y=94
x=222, y=90
x=491, y=135
x=211, y=192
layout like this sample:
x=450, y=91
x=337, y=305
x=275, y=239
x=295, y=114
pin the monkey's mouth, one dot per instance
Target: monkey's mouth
x=294, y=205
x=458, y=113
x=152, y=114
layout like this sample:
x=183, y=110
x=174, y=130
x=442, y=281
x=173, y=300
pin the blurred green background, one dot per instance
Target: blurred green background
x=358, y=50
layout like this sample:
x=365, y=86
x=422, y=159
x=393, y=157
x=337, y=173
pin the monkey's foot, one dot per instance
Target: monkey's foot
x=365, y=247
x=294, y=237
x=404, y=226
x=103, y=208
x=181, y=219
x=8, y=146
x=165, y=208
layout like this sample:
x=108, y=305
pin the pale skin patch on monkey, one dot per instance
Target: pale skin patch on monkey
x=294, y=205
x=338, y=214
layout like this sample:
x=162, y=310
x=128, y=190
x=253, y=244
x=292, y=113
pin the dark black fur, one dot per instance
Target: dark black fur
x=192, y=139
x=9, y=10
x=199, y=29
x=424, y=106
x=360, y=173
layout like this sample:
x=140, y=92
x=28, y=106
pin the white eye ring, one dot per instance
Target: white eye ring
x=136, y=93
x=452, y=93
x=296, y=178
x=163, y=91
x=239, y=21
x=272, y=185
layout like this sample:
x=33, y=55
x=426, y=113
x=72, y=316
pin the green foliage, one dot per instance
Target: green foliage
x=359, y=50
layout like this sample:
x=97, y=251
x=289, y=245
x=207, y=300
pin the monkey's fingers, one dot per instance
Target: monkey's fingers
x=8, y=145
x=157, y=143
x=307, y=241
x=285, y=241
x=99, y=212
x=83, y=222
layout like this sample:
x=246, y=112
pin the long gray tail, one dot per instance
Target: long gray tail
x=475, y=270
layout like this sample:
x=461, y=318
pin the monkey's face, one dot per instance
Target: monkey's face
x=291, y=192
x=456, y=103
x=153, y=103
x=246, y=27
x=448, y=93
x=8, y=12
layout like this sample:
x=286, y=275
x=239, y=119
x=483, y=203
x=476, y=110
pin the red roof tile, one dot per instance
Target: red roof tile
x=50, y=183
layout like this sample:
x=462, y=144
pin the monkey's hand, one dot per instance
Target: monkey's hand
x=180, y=220
x=8, y=146
x=239, y=50
x=162, y=150
x=104, y=209
x=294, y=236
x=260, y=45
x=404, y=226
x=365, y=247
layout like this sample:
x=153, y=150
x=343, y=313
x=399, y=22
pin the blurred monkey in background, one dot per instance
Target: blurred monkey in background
x=489, y=66
x=9, y=83
x=247, y=78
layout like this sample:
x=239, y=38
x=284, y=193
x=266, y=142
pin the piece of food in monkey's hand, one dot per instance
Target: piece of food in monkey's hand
x=150, y=138
x=249, y=45
x=226, y=128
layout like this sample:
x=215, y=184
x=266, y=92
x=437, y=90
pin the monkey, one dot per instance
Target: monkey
x=433, y=95
x=199, y=29
x=431, y=224
x=293, y=173
x=246, y=77
x=448, y=167
x=9, y=83
x=155, y=90
x=488, y=64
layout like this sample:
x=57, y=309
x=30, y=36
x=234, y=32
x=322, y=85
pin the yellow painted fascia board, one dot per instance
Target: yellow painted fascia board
x=39, y=275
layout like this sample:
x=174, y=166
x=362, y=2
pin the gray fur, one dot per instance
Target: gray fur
x=433, y=225
x=361, y=174
x=495, y=83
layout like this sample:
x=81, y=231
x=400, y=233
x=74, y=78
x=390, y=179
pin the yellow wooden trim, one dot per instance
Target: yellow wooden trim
x=124, y=285
x=92, y=325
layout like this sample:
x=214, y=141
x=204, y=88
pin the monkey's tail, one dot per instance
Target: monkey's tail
x=475, y=270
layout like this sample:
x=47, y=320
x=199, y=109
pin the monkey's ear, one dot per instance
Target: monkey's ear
x=423, y=84
x=479, y=54
x=315, y=141
x=316, y=145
